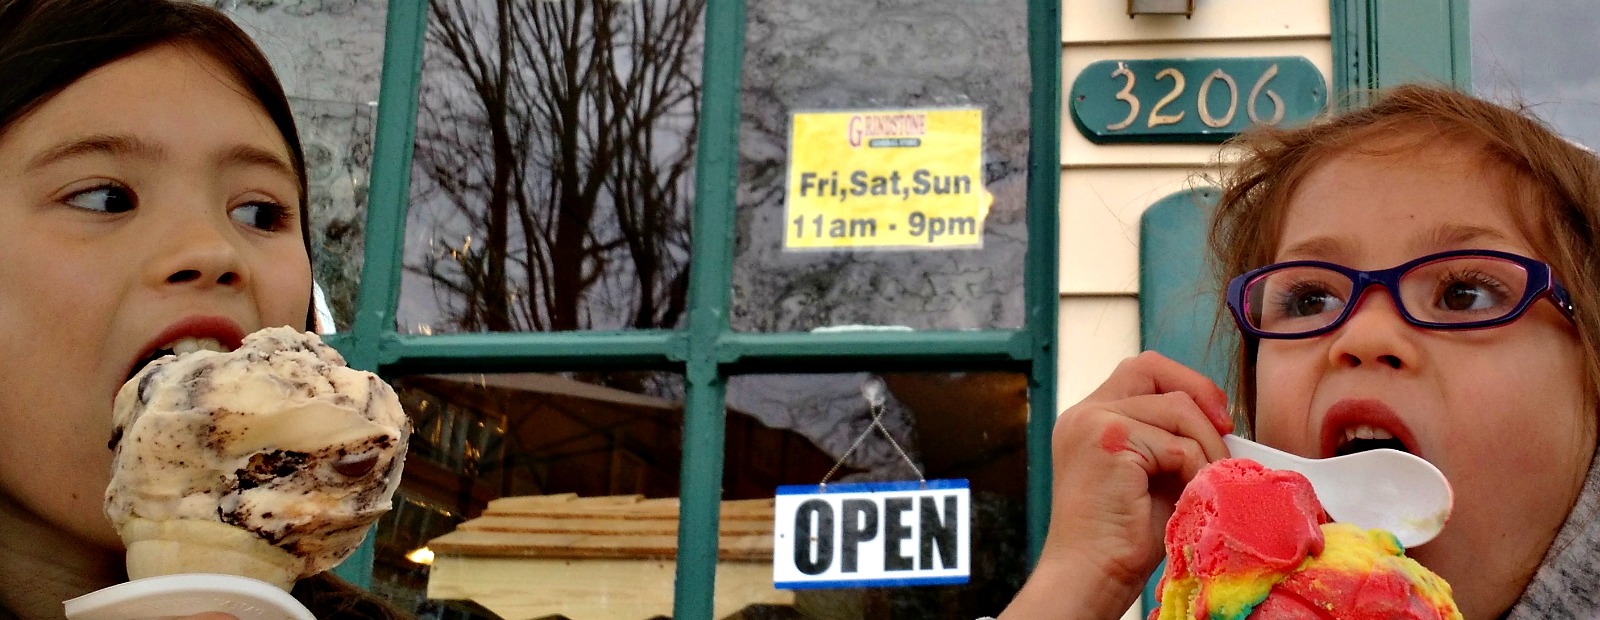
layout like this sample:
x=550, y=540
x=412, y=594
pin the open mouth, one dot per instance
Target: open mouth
x=176, y=347
x=1365, y=437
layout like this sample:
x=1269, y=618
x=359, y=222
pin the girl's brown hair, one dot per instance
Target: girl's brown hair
x=46, y=45
x=1555, y=193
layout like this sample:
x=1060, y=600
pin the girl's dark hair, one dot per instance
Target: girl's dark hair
x=46, y=45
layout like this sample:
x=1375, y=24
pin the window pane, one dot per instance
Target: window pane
x=538, y=494
x=554, y=164
x=329, y=56
x=1540, y=55
x=970, y=426
x=854, y=55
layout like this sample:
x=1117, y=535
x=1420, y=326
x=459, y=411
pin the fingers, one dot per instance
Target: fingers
x=1162, y=433
x=1152, y=373
x=1174, y=415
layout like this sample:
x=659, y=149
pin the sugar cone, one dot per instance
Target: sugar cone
x=185, y=546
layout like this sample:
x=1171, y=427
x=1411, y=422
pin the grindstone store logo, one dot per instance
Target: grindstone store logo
x=887, y=130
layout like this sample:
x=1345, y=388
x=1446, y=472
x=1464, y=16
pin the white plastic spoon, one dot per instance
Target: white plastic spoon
x=1384, y=488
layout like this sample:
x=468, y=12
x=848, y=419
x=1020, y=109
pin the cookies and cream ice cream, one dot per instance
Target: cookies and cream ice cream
x=270, y=461
x=1250, y=542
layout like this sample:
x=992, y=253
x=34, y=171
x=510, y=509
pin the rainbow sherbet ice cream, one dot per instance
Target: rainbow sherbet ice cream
x=1251, y=542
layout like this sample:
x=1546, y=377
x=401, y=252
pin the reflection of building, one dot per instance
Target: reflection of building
x=482, y=437
x=546, y=555
x=578, y=446
x=479, y=437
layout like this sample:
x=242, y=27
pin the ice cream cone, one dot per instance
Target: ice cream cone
x=187, y=546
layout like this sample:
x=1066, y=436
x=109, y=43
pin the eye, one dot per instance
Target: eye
x=1304, y=299
x=265, y=215
x=107, y=198
x=1470, y=292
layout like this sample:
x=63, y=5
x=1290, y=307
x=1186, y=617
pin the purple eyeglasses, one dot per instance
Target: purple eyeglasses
x=1459, y=289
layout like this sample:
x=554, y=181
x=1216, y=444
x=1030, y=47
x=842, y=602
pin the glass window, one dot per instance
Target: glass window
x=541, y=494
x=552, y=177
x=1541, y=54
x=854, y=55
x=329, y=56
x=957, y=425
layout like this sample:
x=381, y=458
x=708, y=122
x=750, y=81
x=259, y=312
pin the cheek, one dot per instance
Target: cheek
x=56, y=307
x=57, y=301
x=1283, y=395
x=1535, y=392
x=283, y=286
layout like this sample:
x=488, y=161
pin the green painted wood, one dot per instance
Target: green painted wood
x=710, y=284
x=1177, y=299
x=1421, y=41
x=1160, y=100
x=386, y=213
x=390, y=193
x=832, y=352
x=532, y=351
x=1378, y=44
x=1041, y=287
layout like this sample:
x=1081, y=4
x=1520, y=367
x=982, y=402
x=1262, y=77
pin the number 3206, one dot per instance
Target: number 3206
x=1161, y=115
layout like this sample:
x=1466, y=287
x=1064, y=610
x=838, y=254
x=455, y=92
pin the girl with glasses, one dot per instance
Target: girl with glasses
x=1419, y=274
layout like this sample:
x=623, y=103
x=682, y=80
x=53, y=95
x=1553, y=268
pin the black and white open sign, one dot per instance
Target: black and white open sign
x=872, y=535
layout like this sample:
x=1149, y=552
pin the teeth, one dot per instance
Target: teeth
x=190, y=345
x=1366, y=432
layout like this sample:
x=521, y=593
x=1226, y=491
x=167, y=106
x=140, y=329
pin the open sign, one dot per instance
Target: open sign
x=872, y=534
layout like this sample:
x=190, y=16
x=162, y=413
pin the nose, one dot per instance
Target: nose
x=1374, y=333
x=199, y=254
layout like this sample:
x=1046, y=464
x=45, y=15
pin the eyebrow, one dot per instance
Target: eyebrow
x=243, y=154
x=255, y=156
x=1457, y=235
x=1316, y=247
x=1444, y=236
x=97, y=145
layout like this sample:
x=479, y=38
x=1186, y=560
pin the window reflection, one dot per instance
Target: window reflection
x=849, y=55
x=337, y=139
x=552, y=176
x=328, y=55
x=541, y=494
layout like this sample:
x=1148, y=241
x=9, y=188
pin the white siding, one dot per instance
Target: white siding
x=1105, y=189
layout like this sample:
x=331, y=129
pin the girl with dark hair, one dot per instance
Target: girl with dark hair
x=1478, y=350
x=154, y=189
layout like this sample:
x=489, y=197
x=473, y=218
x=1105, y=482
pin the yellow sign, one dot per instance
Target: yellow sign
x=901, y=179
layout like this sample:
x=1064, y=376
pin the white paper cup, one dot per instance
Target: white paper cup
x=186, y=595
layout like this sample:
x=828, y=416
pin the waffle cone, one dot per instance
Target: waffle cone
x=185, y=546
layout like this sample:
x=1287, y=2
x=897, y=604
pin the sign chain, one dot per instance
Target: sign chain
x=873, y=390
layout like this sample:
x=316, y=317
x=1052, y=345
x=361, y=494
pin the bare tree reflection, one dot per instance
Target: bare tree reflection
x=554, y=162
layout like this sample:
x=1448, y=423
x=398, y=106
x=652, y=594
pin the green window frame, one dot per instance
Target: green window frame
x=706, y=351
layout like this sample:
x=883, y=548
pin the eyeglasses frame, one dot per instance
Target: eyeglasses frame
x=1541, y=283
